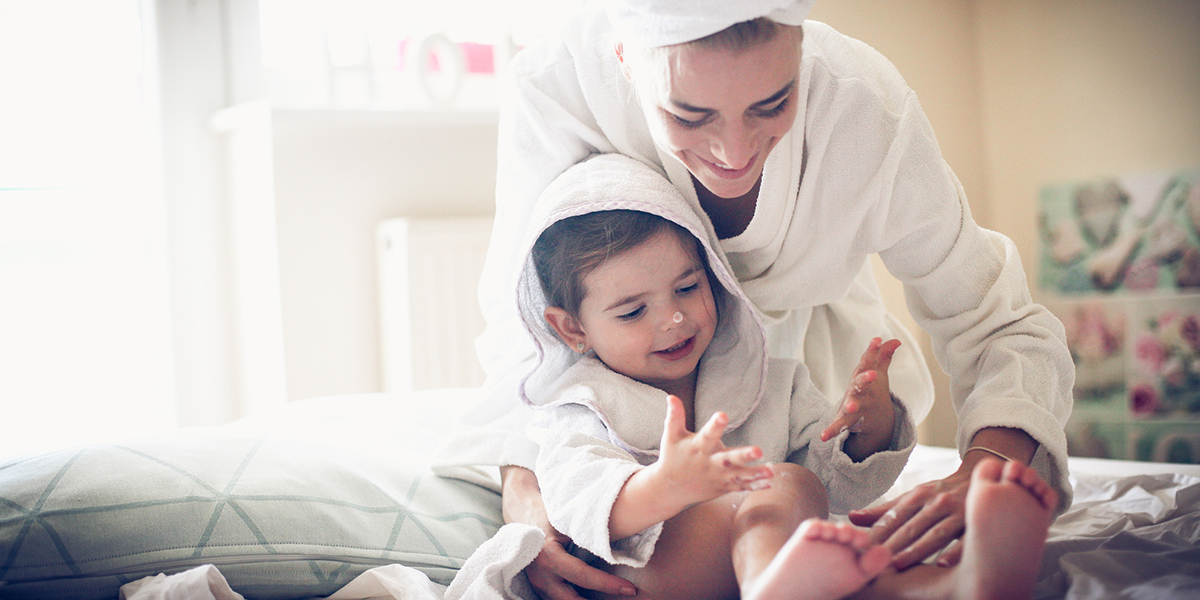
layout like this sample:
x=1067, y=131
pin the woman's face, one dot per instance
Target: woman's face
x=723, y=111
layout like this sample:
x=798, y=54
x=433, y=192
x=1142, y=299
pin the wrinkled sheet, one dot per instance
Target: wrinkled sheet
x=492, y=573
x=1132, y=531
x=1129, y=537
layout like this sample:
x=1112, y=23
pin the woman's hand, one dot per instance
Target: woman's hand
x=554, y=573
x=867, y=409
x=932, y=515
x=921, y=522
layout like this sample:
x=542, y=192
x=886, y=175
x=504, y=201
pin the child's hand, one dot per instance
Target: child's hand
x=691, y=468
x=867, y=409
x=698, y=467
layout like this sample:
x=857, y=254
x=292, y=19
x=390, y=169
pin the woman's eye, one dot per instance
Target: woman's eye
x=633, y=314
x=688, y=123
x=776, y=110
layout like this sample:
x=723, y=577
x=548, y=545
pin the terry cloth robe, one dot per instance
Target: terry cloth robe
x=596, y=427
x=859, y=173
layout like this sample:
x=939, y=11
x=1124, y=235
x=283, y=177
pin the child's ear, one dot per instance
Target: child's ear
x=566, y=326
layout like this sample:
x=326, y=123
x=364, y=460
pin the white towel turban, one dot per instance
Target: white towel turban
x=655, y=23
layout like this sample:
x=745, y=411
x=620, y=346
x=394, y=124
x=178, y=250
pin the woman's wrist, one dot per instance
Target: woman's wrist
x=999, y=442
x=520, y=496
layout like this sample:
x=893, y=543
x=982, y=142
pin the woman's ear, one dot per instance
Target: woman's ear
x=619, y=48
x=567, y=328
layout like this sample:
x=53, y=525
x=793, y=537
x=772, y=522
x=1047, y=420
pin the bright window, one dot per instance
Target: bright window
x=359, y=53
x=84, y=350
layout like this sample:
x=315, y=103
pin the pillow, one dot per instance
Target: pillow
x=280, y=517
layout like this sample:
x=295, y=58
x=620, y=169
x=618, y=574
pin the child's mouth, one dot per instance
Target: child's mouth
x=679, y=350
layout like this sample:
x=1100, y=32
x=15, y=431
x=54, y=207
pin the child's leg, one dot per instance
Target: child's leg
x=749, y=545
x=1008, y=515
x=691, y=559
x=816, y=559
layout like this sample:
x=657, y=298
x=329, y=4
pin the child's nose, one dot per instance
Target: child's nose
x=673, y=320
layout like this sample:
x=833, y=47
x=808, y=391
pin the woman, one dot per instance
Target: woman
x=808, y=153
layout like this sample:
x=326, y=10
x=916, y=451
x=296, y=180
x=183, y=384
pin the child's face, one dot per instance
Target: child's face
x=628, y=314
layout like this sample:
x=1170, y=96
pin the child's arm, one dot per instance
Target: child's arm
x=691, y=468
x=867, y=409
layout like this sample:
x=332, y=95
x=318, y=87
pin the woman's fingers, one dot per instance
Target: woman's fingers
x=919, y=525
x=933, y=540
x=868, y=516
x=554, y=571
x=887, y=528
x=951, y=555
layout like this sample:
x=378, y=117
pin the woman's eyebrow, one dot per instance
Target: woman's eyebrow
x=777, y=96
x=773, y=98
x=684, y=106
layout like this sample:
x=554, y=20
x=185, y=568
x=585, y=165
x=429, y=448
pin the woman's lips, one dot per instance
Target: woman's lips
x=724, y=173
x=678, y=351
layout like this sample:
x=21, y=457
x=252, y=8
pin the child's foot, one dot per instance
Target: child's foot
x=822, y=560
x=1008, y=514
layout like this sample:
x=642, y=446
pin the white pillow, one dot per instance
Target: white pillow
x=280, y=517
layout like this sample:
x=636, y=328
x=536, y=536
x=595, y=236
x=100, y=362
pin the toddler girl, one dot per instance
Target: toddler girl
x=643, y=335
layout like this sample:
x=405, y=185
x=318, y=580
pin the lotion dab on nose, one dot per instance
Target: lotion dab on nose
x=678, y=318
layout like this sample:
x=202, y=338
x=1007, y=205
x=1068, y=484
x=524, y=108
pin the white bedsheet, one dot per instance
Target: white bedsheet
x=1133, y=530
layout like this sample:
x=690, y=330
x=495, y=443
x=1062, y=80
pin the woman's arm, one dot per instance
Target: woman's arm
x=923, y=521
x=555, y=572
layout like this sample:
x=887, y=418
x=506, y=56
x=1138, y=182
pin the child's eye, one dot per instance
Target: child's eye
x=633, y=314
x=687, y=289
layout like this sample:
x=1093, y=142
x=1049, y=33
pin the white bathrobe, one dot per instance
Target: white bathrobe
x=596, y=427
x=859, y=173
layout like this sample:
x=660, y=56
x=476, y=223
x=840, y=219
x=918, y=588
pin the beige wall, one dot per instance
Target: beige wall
x=1023, y=93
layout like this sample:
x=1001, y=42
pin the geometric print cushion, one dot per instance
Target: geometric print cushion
x=280, y=518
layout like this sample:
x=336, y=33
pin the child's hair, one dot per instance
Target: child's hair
x=570, y=249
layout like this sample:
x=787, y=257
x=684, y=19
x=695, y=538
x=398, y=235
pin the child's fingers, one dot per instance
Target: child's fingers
x=675, y=425
x=738, y=457
x=886, y=352
x=712, y=431
x=842, y=422
x=888, y=349
x=869, y=355
x=860, y=382
x=750, y=478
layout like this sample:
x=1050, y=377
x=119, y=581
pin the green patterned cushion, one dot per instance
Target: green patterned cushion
x=280, y=517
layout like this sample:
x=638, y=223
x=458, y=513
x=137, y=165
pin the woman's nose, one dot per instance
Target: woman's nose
x=734, y=146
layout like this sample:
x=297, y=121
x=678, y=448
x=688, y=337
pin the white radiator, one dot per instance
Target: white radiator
x=429, y=308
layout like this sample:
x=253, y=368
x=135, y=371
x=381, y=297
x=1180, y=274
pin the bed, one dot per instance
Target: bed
x=334, y=498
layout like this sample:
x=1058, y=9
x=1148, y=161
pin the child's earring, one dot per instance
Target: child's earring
x=580, y=347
